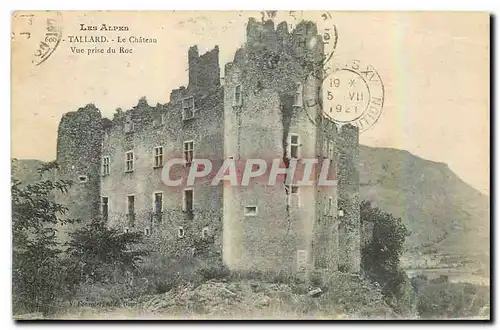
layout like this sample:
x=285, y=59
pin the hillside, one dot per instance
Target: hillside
x=444, y=214
x=26, y=170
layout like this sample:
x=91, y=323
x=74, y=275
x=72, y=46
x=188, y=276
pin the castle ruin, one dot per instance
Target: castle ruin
x=256, y=113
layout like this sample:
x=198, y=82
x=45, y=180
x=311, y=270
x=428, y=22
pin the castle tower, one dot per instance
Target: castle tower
x=283, y=227
x=348, y=198
x=204, y=71
x=79, y=146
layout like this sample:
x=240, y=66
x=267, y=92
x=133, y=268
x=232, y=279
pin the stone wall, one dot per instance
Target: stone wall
x=268, y=70
x=271, y=67
x=79, y=157
x=206, y=132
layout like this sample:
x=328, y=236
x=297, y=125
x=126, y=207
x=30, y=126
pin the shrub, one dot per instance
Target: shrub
x=36, y=267
x=95, y=250
x=218, y=271
x=380, y=258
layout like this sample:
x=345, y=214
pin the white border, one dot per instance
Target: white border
x=8, y=7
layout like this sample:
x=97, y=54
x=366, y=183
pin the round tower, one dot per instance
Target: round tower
x=79, y=149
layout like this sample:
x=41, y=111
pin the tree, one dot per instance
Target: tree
x=380, y=258
x=36, y=269
x=96, y=251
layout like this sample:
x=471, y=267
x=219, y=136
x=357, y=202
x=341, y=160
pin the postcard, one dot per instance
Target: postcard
x=250, y=165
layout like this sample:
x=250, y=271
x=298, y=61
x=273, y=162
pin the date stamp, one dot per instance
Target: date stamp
x=353, y=94
x=50, y=40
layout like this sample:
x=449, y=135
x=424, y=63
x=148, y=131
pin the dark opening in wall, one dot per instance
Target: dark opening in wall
x=250, y=210
x=180, y=232
x=83, y=178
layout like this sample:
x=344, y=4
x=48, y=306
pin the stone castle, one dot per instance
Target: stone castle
x=257, y=112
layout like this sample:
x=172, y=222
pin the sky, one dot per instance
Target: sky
x=434, y=66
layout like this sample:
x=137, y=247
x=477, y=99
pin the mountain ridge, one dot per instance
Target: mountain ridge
x=444, y=214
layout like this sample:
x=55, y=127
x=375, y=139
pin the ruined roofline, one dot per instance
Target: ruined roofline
x=143, y=111
x=193, y=51
x=88, y=107
x=142, y=104
x=276, y=37
x=281, y=27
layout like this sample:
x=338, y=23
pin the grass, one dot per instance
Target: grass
x=438, y=299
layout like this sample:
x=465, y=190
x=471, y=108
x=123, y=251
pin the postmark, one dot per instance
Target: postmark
x=350, y=93
x=37, y=34
x=353, y=94
x=50, y=40
x=328, y=34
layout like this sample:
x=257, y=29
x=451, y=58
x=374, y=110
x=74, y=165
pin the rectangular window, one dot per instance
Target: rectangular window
x=129, y=161
x=131, y=210
x=162, y=119
x=188, y=200
x=131, y=204
x=294, y=146
x=129, y=124
x=188, y=108
x=204, y=232
x=158, y=202
x=180, y=232
x=328, y=148
x=158, y=157
x=292, y=195
x=330, y=206
x=251, y=211
x=238, y=97
x=105, y=165
x=147, y=231
x=301, y=260
x=188, y=152
x=104, y=208
x=297, y=100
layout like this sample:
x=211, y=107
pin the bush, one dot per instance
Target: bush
x=37, y=282
x=218, y=271
x=95, y=250
x=380, y=258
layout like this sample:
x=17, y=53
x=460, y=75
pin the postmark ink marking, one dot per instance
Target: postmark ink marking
x=351, y=94
x=51, y=41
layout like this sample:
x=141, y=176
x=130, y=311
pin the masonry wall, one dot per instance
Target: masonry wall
x=348, y=198
x=205, y=130
x=268, y=70
x=325, y=223
x=79, y=155
x=326, y=240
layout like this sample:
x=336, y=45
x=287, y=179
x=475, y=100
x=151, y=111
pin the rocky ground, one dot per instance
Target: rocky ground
x=246, y=299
